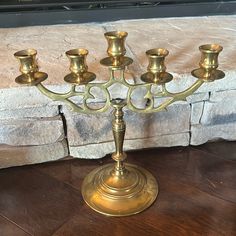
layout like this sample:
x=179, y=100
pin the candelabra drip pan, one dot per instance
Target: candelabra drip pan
x=80, y=79
x=122, y=63
x=157, y=78
x=208, y=76
x=31, y=79
x=115, y=195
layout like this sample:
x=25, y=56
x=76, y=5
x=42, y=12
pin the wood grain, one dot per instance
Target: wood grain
x=197, y=196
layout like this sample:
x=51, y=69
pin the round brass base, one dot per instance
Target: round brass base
x=109, y=62
x=82, y=79
x=158, y=78
x=214, y=75
x=119, y=195
x=31, y=79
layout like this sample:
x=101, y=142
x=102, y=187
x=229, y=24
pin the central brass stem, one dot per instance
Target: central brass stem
x=118, y=128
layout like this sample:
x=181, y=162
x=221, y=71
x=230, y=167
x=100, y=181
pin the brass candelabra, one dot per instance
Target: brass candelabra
x=120, y=189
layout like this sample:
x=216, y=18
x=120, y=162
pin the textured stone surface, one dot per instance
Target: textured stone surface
x=17, y=156
x=220, y=109
x=31, y=131
x=201, y=134
x=89, y=129
x=28, y=117
x=99, y=150
x=214, y=119
x=196, y=112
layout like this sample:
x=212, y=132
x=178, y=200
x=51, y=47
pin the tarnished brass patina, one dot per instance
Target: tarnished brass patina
x=79, y=70
x=121, y=189
x=209, y=63
x=156, y=68
x=29, y=68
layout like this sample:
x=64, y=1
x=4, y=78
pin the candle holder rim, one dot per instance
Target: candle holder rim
x=116, y=34
x=157, y=52
x=76, y=52
x=211, y=48
x=29, y=52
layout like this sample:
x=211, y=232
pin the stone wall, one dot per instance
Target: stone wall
x=34, y=129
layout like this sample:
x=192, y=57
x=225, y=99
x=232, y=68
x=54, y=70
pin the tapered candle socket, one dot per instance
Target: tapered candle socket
x=156, y=59
x=116, y=46
x=209, y=63
x=77, y=59
x=209, y=56
x=116, y=51
x=29, y=68
x=78, y=67
x=27, y=59
x=156, y=67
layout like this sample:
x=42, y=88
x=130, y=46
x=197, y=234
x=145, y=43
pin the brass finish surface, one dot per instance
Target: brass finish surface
x=208, y=77
x=156, y=67
x=79, y=70
x=157, y=78
x=124, y=195
x=29, y=68
x=120, y=189
x=116, y=46
x=209, y=63
x=123, y=62
x=31, y=79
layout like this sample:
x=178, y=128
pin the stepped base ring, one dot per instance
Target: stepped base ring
x=121, y=195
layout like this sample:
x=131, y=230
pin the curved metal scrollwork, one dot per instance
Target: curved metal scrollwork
x=86, y=94
x=117, y=61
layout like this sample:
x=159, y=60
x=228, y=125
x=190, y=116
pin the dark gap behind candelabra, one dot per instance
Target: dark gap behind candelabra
x=15, y=13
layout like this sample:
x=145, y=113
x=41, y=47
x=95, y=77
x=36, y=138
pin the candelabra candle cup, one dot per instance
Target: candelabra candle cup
x=29, y=68
x=78, y=67
x=209, y=63
x=156, y=67
x=77, y=59
x=27, y=59
x=116, y=45
x=156, y=59
x=209, y=56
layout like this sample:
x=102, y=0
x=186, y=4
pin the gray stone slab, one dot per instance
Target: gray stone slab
x=99, y=150
x=201, y=134
x=196, y=112
x=220, y=109
x=89, y=129
x=18, y=156
x=31, y=131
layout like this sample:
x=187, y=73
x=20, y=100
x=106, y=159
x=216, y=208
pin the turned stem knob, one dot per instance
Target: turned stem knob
x=118, y=128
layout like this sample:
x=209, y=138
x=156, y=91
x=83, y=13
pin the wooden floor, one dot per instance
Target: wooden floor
x=197, y=196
